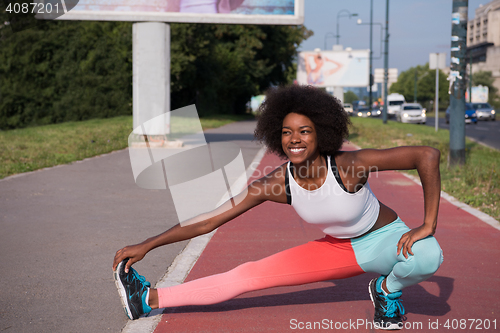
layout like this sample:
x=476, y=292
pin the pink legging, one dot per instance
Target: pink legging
x=324, y=259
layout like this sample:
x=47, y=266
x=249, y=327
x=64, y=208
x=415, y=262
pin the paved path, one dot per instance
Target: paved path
x=60, y=229
x=465, y=287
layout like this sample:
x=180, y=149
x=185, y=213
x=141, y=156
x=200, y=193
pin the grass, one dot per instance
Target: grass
x=29, y=149
x=477, y=183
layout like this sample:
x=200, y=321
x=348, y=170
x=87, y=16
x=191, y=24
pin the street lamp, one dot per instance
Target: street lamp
x=360, y=22
x=371, y=53
x=339, y=15
x=386, y=61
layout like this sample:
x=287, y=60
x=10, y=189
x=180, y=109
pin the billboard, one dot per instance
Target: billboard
x=479, y=94
x=347, y=68
x=187, y=11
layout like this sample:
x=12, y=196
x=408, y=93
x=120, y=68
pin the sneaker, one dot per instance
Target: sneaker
x=389, y=312
x=133, y=289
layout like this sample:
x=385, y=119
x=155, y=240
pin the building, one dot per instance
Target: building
x=483, y=40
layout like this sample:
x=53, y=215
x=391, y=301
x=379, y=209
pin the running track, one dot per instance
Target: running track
x=464, y=291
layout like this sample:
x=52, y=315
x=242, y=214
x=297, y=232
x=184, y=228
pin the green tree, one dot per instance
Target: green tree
x=350, y=97
x=426, y=86
x=69, y=70
x=485, y=78
x=219, y=67
x=65, y=70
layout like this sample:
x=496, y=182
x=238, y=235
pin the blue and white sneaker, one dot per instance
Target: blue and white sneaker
x=389, y=312
x=133, y=289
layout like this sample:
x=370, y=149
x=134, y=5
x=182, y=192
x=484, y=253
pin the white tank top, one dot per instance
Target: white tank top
x=335, y=211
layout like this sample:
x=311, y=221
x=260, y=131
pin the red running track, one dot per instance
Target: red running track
x=464, y=293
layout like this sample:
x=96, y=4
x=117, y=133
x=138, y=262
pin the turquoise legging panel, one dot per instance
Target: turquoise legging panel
x=377, y=252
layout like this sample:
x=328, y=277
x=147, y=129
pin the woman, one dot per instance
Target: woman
x=326, y=187
x=314, y=68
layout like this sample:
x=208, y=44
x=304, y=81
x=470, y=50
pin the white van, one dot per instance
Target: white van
x=394, y=102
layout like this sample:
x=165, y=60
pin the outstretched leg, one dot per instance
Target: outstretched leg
x=320, y=260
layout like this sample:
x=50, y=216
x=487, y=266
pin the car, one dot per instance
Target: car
x=362, y=111
x=376, y=112
x=394, y=102
x=411, y=113
x=470, y=114
x=348, y=108
x=484, y=111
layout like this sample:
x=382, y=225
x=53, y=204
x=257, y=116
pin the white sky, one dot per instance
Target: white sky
x=416, y=28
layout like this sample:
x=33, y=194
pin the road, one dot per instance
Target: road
x=487, y=132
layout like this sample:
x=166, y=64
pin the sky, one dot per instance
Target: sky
x=416, y=27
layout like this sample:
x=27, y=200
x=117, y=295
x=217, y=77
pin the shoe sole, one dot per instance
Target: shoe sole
x=375, y=324
x=121, y=291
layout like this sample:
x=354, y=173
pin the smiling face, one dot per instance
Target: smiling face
x=299, y=138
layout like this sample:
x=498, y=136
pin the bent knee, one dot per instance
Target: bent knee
x=428, y=255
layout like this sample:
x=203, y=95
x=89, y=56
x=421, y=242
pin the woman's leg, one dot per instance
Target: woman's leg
x=376, y=252
x=320, y=260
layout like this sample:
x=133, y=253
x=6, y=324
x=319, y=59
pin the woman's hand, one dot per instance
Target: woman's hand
x=407, y=240
x=135, y=253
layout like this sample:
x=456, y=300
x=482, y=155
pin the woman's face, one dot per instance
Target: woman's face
x=299, y=138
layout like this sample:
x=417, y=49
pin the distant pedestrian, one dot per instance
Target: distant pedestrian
x=327, y=187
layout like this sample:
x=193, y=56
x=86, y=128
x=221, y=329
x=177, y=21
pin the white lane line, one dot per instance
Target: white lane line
x=180, y=268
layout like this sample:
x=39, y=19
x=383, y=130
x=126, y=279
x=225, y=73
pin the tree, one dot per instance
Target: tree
x=350, y=97
x=426, y=85
x=220, y=67
x=70, y=70
x=64, y=70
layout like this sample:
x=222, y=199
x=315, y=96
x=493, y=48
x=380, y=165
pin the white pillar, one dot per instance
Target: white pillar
x=151, y=76
x=339, y=93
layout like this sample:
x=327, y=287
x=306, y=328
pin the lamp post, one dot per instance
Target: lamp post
x=457, y=81
x=386, y=61
x=339, y=15
x=371, y=50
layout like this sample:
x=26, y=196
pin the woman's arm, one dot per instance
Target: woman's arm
x=426, y=161
x=257, y=192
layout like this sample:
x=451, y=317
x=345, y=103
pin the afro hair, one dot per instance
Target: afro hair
x=324, y=110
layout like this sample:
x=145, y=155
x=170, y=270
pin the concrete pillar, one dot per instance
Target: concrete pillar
x=151, y=76
x=339, y=93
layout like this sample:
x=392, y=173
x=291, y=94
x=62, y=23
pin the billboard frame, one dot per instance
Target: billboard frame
x=178, y=17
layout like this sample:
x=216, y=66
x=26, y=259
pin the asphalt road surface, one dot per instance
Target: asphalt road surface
x=61, y=227
x=487, y=132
